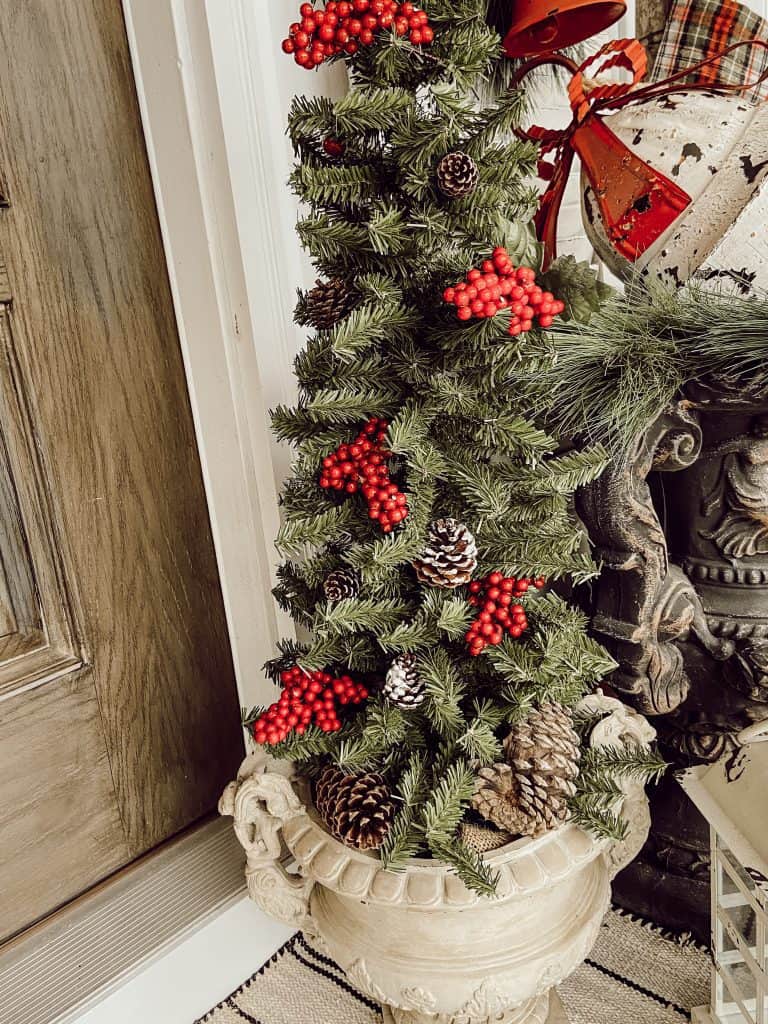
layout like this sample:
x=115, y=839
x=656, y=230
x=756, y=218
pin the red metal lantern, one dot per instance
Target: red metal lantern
x=542, y=26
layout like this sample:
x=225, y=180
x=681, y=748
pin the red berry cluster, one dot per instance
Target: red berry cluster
x=361, y=466
x=307, y=697
x=343, y=27
x=500, y=285
x=495, y=596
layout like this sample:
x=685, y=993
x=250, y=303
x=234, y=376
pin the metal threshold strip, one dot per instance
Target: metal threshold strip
x=60, y=967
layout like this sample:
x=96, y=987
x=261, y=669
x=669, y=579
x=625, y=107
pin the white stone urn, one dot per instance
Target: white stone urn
x=418, y=941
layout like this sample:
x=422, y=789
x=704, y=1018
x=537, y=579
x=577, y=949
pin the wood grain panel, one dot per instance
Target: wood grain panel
x=58, y=817
x=40, y=640
x=97, y=342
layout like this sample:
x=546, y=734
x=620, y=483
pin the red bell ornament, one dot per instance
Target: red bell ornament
x=637, y=204
x=541, y=26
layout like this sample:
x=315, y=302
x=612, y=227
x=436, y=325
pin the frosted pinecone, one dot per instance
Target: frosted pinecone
x=340, y=584
x=457, y=175
x=450, y=555
x=403, y=686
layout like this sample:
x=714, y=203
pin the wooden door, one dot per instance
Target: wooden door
x=119, y=722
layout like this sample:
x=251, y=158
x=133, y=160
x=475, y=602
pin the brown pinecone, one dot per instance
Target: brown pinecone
x=327, y=303
x=457, y=175
x=450, y=557
x=404, y=686
x=529, y=795
x=358, y=809
x=341, y=583
x=482, y=838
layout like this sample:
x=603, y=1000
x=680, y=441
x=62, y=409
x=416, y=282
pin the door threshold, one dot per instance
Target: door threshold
x=62, y=966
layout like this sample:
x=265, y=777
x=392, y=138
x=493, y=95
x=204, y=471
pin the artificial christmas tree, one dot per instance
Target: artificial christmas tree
x=426, y=508
x=430, y=532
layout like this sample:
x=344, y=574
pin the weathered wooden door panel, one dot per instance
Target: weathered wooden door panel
x=112, y=526
x=60, y=830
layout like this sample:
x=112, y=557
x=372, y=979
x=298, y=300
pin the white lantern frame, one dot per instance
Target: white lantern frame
x=739, y=878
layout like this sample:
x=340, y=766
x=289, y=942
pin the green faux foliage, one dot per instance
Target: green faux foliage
x=465, y=437
x=606, y=380
x=577, y=285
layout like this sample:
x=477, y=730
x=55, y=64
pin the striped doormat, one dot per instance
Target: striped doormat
x=636, y=974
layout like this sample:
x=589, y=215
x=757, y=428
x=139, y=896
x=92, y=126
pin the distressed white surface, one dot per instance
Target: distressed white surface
x=739, y=263
x=707, y=144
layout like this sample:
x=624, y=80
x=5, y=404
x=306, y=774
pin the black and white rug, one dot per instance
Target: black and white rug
x=636, y=974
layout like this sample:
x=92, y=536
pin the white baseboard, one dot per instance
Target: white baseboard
x=197, y=974
x=61, y=967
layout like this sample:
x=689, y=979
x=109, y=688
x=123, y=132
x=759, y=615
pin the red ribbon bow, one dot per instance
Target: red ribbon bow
x=637, y=203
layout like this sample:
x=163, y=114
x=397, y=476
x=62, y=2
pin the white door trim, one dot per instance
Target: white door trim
x=174, y=71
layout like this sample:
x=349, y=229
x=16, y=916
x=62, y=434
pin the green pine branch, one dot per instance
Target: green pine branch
x=329, y=524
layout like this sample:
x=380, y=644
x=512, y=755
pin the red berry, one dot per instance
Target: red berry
x=333, y=147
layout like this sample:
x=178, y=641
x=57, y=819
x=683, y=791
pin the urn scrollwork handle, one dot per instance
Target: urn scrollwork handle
x=622, y=726
x=636, y=814
x=261, y=801
x=755, y=733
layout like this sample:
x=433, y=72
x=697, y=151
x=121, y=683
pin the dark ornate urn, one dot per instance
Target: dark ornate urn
x=680, y=525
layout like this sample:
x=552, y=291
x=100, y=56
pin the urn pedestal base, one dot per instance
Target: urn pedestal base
x=547, y=1009
x=668, y=882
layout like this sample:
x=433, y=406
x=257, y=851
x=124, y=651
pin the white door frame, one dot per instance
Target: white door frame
x=213, y=88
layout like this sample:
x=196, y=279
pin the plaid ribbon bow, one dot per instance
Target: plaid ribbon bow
x=700, y=29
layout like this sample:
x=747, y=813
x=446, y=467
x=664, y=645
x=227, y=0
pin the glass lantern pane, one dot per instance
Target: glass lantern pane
x=741, y=923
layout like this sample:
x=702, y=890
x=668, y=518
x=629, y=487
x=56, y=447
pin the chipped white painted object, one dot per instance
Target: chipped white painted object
x=418, y=941
x=716, y=149
x=732, y=797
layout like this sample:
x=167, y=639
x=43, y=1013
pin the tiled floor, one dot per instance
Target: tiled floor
x=195, y=975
